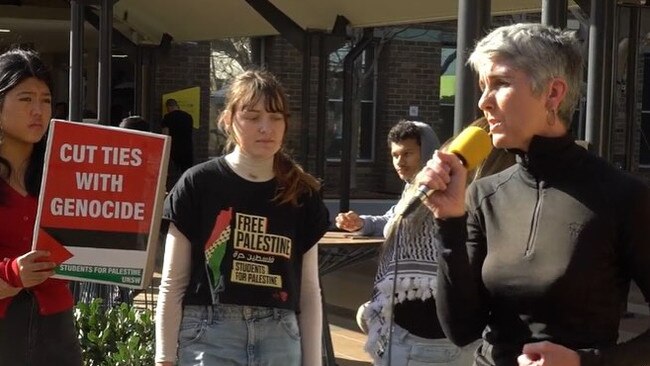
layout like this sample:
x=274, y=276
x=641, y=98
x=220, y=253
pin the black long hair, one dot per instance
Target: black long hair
x=16, y=65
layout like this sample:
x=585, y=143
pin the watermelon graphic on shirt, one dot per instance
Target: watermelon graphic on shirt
x=215, y=247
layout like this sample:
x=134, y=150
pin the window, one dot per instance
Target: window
x=447, y=89
x=365, y=106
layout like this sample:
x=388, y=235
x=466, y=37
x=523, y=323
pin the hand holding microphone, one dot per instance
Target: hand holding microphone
x=446, y=173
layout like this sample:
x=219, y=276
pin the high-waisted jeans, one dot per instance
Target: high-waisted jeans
x=28, y=338
x=411, y=350
x=235, y=335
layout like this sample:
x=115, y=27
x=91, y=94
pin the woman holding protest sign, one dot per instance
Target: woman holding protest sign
x=36, y=324
x=241, y=260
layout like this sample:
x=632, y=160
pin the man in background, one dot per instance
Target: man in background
x=411, y=144
x=178, y=124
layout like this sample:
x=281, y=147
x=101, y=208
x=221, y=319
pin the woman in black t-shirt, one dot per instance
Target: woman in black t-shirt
x=241, y=260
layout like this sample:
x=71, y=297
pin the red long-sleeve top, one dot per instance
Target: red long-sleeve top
x=17, y=218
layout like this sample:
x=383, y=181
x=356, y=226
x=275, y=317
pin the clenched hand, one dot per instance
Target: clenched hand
x=34, y=267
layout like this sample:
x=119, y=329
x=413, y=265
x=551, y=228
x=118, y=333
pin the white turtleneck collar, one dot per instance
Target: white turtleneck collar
x=254, y=170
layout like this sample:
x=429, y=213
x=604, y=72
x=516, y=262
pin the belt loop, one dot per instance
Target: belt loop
x=276, y=314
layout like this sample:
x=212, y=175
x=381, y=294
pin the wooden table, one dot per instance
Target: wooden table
x=340, y=249
x=337, y=250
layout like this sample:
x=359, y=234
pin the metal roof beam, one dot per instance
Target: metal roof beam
x=288, y=28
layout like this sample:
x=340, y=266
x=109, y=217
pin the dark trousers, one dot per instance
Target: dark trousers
x=28, y=338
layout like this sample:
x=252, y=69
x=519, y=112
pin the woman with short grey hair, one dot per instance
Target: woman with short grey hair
x=537, y=258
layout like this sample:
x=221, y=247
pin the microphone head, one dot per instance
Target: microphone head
x=472, y=145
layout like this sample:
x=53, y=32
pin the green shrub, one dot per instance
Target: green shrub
x=118, y=336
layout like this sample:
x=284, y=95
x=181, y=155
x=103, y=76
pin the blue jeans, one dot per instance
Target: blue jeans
x=235, y=335
x=411, y=350
x=28, y=338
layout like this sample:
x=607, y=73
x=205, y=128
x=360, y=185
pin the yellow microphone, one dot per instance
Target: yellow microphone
x=471, y=146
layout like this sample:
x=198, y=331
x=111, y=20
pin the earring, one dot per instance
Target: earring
x=550, y=117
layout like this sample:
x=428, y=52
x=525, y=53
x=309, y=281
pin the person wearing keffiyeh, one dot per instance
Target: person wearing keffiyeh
x=405, y=286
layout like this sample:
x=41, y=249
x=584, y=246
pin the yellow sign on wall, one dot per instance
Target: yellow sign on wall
x=189, y=100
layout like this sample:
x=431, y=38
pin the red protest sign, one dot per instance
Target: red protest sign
x=58, y=253
x=102, y=188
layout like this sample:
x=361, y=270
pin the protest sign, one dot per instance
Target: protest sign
x=100, y=203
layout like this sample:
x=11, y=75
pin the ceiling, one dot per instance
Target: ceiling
x=45, y=23
x=46, y=28
x=199, y=20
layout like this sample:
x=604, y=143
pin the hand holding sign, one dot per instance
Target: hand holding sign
x=33, y=269
x=100, y=202
x=58, y=253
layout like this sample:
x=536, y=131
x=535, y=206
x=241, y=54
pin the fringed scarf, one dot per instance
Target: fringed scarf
x=417, y=269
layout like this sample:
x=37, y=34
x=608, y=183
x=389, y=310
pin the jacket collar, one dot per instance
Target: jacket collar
x=549, y=157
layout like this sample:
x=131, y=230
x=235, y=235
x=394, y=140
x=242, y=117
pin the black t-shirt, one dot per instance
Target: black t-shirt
x=418, y=317
x=246, y=250
x=180, y=130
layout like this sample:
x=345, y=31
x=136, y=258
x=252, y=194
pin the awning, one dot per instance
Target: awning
x=197, y=20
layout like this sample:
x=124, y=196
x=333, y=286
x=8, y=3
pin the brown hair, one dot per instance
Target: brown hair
x=246, y=90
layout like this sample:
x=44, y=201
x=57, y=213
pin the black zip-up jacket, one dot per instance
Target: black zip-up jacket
x=547, y=251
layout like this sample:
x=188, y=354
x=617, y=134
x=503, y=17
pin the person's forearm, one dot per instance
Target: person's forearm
x=175, y=277
x=9, y=273
x=7, y=290
x=458, y=300
x=373, y=225
x=310, y=319
x=168, y=320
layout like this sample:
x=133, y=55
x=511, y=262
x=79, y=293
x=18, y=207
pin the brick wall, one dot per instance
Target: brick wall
x=408, y=75
x=285, y=62
x=184, y=66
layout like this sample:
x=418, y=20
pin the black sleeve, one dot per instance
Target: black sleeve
x=635, y=240
x=164, y=122
x=461, y=303
x=181, y=206
x=316, y=220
